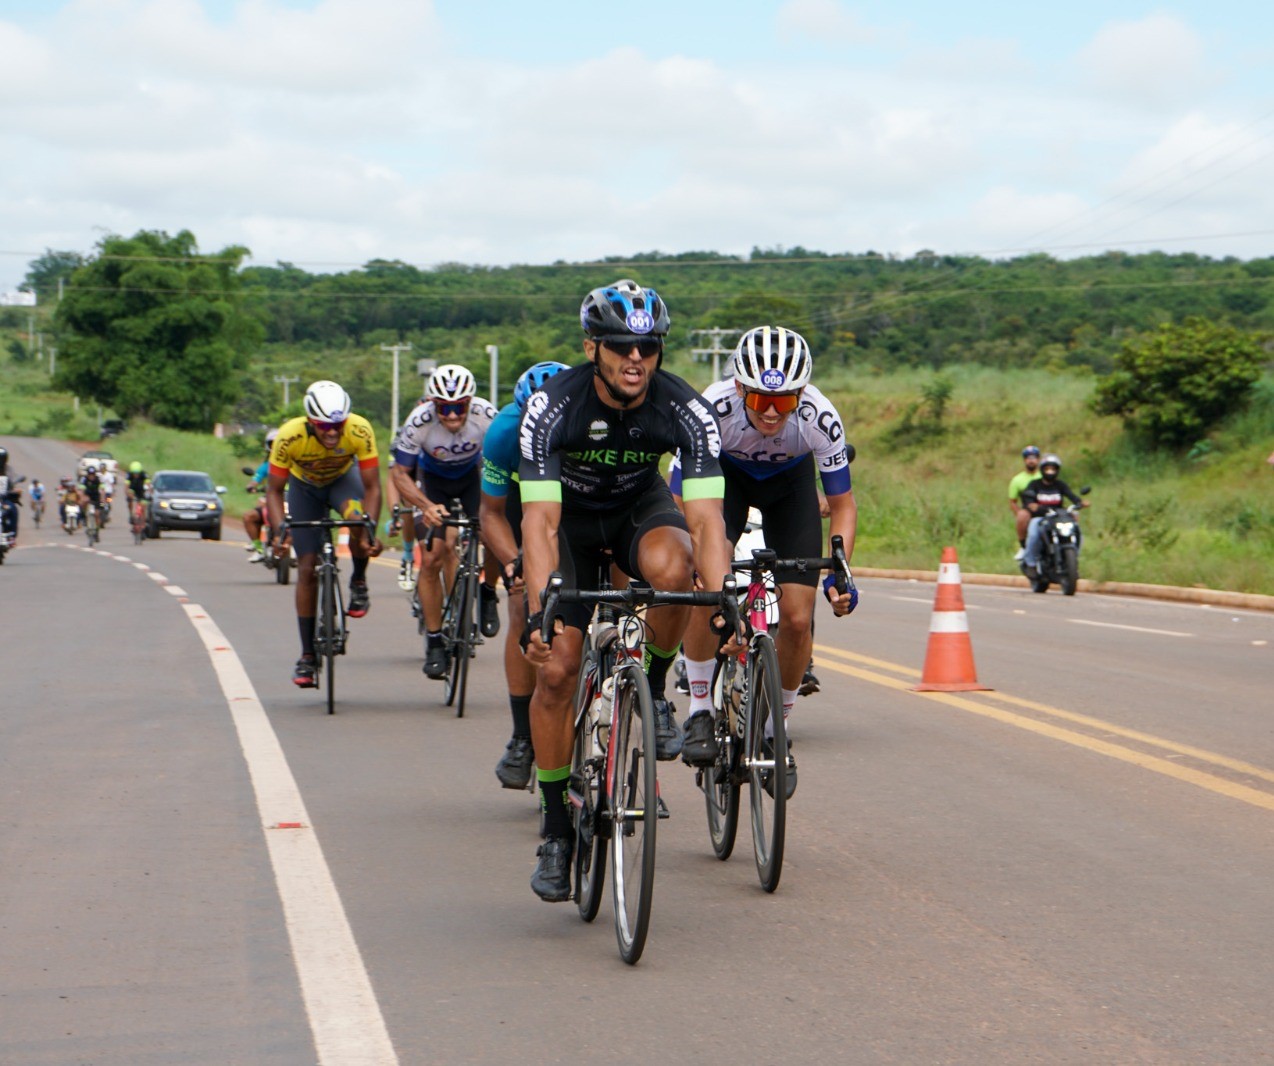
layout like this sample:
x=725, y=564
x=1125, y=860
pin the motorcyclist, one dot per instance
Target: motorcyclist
x=256, y=519
x=1042, y=496
x=1019, y=481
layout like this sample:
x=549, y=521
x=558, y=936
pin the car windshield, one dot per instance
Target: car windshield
x=182, y=483
x=98, y=455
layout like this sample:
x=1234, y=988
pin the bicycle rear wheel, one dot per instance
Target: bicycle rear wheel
x=586, y=792
x=766, y=759
x=633, y=799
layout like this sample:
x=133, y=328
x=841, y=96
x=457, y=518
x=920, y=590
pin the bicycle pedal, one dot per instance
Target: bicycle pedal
x=661, y=810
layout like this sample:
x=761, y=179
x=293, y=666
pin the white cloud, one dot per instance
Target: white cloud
x=1155, y=61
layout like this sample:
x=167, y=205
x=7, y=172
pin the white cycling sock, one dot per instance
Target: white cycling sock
x=699, y=677
x=789, y=701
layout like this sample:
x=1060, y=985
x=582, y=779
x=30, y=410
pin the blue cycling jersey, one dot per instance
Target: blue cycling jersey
x=500, y=451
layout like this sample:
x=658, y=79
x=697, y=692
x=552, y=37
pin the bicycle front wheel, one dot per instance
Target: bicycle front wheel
x=633, y=799
x=721, y=791
x=458, y=639
x=586, y=792
x=328, y=607
x=766, y=759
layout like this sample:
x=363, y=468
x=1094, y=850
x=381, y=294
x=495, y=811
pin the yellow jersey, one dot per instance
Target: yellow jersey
x=298, y=451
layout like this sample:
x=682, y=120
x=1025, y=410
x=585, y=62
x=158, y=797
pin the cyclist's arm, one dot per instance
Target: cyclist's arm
x=410, y=493
x=275, y=484
x=497, y=534
x=707, y=532
x=539, y=546
x=370, y=473
x=844, y=520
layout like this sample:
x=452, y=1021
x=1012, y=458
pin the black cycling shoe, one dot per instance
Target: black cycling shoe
x=767, y=778
x=489, y=610
x=359, y=600
x=667, y=732
x=809, y=683
x=700, y=747
x=552, y=878
x=303, y=674
x=514, y=770
x=435, y=662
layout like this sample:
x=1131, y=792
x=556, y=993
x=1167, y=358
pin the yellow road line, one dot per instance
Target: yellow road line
x=1199, y=778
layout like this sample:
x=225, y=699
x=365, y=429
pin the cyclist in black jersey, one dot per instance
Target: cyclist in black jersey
x=590, y=443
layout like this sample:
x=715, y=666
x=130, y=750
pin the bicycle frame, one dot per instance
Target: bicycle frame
x=460, y=632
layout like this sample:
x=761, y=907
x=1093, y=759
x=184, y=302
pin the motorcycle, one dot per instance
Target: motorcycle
x=282, y=567
x=1060, y=541
x=71, y=517
x=8, y=510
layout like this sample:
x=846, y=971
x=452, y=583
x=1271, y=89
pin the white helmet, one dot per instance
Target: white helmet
x=270, y=436
x=773, y=359
x=451, y=382
x=326, y=401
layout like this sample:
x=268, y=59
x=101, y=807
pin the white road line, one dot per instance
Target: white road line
x=1135, y=629
x=344, y=1016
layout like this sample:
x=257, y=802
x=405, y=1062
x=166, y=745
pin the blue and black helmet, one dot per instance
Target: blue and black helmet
x=532, y=379
x=624, y=309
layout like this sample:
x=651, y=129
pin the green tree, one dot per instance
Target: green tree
x=1174, y=384
x=44, y=273
x=150, y=327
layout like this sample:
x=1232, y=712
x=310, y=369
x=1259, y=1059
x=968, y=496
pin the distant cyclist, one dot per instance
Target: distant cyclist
x=777, y=430
x=324, y=461
x=591, y=441
x=502, y=534
x=257, y=518
x=437, y=453
x=36, y=493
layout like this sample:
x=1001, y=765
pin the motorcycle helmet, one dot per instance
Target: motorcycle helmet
x=533, y=379
x=270, y=438
x=1053, y=461
x=1030, y=450
x=773, y=359
x=624, y=309
x=451, y=383
x=326, y=401
x=4, y=459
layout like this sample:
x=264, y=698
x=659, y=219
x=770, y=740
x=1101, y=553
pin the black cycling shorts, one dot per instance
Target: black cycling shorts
x=306, y=503
x=788, y=503
x=589, y=540
x=437, y=489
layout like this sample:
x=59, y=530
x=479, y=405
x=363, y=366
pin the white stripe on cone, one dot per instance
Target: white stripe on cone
x=949, y=622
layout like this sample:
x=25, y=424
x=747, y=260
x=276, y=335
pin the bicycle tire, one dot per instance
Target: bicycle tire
x=721, y=789
x=452, y=628
x=587, y=791
x=768, y=805
x=327, y=611
x=633, y=797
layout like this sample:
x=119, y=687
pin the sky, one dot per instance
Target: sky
x=326, y=133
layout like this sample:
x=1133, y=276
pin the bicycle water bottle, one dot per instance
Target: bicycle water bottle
x=600, y=715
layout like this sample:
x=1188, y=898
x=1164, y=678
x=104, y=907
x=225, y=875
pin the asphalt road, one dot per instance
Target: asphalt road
x=1075, y=867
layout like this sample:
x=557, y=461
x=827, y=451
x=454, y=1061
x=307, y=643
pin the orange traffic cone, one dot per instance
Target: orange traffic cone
x=949, y=658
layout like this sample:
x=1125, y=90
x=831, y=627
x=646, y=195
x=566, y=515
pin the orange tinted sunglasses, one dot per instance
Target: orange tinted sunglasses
x=784, y=403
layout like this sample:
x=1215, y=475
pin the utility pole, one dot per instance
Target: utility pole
x=397, y=349
x=716, y=351
x=493, y=351
x=285, y=381
x=53, y=361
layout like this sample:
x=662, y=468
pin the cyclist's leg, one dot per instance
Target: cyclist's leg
x=305, y=503
x=514, y=769
x=345, y=497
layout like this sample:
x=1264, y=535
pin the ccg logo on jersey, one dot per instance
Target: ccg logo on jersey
x=598, y=429
x=773, y=380
x=639, y=321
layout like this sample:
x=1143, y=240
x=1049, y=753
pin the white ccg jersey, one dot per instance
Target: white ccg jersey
x=424, y=443
x=815, y=427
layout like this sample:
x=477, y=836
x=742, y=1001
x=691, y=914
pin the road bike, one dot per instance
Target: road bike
x=751, y=734
x=37, y=512
x=614, y=786
x=91, y=529
x=460, y=633
x=137, y=521
x=330, y=630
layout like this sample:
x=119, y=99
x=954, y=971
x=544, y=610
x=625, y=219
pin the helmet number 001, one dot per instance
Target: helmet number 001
x=640, y=321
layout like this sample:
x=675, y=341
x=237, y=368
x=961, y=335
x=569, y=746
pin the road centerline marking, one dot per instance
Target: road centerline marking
x=1131, y=629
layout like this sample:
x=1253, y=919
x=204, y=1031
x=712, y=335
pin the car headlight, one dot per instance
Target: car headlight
x=164, y=505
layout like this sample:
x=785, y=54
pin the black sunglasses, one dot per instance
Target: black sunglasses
x=647, y=347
